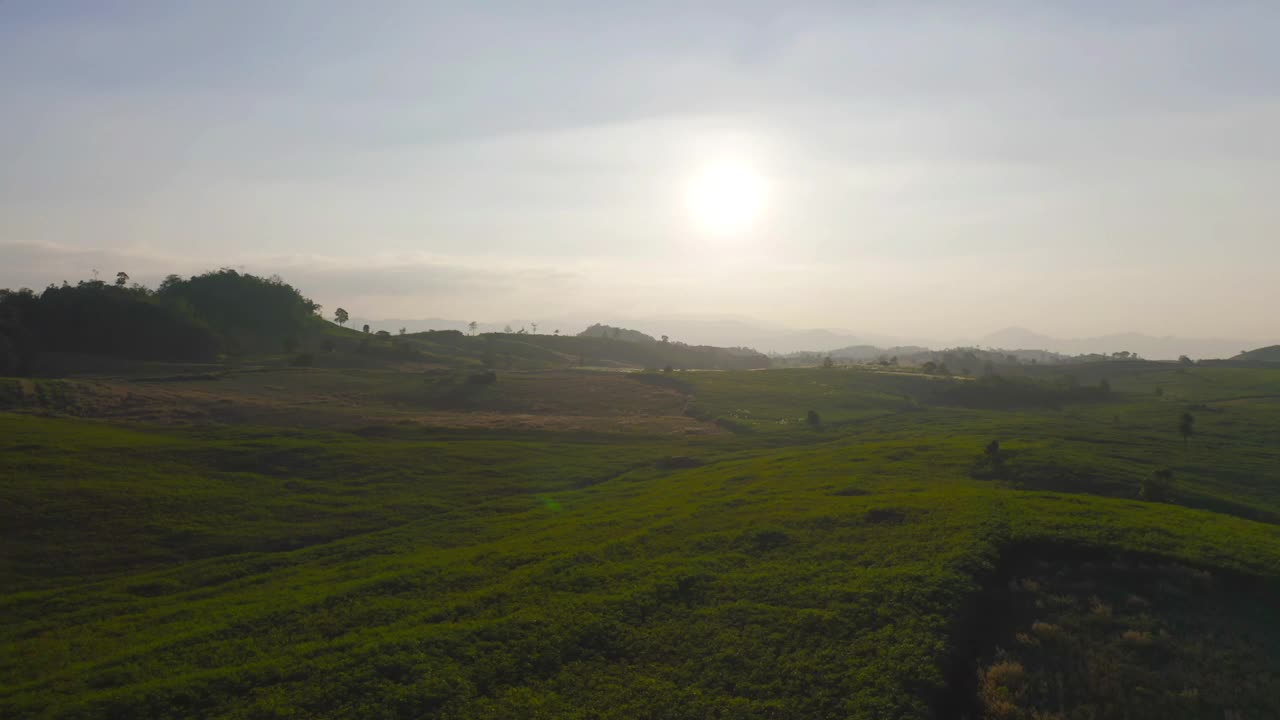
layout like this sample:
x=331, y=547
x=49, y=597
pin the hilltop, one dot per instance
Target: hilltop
x=1266, y=355
x=229, y=318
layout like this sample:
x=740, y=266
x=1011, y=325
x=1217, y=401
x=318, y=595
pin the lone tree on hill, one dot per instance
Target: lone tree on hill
x=340, y=316
x=366, y=327
x=471, y=327
x=1187, y=426
x=122, y=278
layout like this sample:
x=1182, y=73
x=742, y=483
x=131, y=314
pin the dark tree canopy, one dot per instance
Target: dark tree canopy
x=93, y=317
x=248, y=311
x=191, y=320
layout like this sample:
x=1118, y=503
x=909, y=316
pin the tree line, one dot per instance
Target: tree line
x=196, y=319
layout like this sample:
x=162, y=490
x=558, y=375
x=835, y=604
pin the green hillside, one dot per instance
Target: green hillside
x=346, y=542
x=216, y=511
x=1266, y=355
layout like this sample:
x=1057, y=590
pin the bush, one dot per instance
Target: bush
x=1157, y=487
x=813, y=418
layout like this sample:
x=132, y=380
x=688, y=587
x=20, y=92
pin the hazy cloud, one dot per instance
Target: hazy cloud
x=1077, y=168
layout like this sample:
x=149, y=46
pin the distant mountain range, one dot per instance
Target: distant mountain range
x=1147, y=346
x=744, y=332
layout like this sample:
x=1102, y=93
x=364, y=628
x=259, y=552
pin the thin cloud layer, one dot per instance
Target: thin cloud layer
x=1078, y=169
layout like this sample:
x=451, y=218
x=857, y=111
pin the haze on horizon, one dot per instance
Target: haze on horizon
x=904, y=169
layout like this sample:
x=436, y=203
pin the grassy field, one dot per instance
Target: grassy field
x=375, y=543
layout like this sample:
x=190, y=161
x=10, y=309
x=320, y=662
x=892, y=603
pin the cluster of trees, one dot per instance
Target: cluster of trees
x=618, y=333
x=183, y=320
x=1000, y=392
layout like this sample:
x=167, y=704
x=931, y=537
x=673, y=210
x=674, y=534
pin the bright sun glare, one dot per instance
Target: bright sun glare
x=727, y=198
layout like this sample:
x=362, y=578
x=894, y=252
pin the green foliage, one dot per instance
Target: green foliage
x=249, y=312
x=999, y=392
x=97, y=318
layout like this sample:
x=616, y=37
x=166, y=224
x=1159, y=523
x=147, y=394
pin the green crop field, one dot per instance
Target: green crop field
x=409, y=542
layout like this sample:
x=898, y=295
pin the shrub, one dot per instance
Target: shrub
x=1157, y=487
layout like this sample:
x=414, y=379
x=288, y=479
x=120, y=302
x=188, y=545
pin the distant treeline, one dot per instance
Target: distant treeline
x=995, y=392
x=227, y=315
x=194, y=319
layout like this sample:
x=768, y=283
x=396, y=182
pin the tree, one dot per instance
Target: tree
x=813, y=418
x=122, y=278
x=401, y=331
x=668, y=369
x=340, y=316
x=664, y=339
x=534, y=325
x=827, y=362
x=557, y=332
x=506, y=329
x=1187, y=427
x=471, y=327
x=366, y=327
x=1184, y=360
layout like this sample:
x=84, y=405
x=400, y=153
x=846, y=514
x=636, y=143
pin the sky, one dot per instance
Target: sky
x=919, y=169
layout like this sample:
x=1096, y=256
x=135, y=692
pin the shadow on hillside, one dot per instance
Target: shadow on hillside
x=1063, y=632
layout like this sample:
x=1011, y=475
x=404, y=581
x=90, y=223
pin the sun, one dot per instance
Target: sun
x=726, y=198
